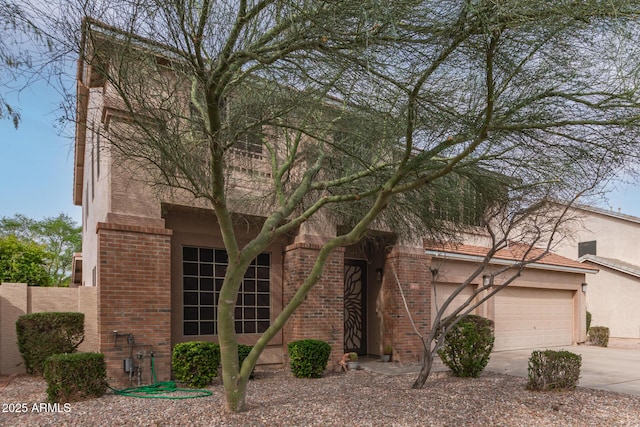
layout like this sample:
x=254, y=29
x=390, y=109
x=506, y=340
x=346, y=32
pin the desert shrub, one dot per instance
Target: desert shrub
x=557, y=370
x=308, y=358
x=195, y=362
x=467, y=346
x=243, y=352
x=599, y=335
x=73, y=377
x=588, y=321
x=41, y=335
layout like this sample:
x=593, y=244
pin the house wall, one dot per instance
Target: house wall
x=134, y=300
x=622, y=294
x=616, y=236
x=17, y=299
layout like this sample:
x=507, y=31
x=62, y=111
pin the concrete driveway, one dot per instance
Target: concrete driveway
x=609, y=369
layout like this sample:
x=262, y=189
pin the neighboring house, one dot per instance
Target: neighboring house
x=158, y=261
x=609, y=241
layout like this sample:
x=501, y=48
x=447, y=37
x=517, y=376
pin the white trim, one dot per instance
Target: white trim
x=500, y=261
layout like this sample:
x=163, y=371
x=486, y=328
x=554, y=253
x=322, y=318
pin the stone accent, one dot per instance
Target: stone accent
x=321, y=315
x=134, y=297
x=412, y=271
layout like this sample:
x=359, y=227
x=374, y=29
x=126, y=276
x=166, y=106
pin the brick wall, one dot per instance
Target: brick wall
x=414, y=275
x=134, y=297
x=321, y=315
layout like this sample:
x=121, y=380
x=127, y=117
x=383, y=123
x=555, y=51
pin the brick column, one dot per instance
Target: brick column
x=321, y=315
x=134, y=297
x=411, y=267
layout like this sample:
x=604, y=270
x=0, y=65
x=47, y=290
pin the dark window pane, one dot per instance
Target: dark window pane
x=190, y=298
x=250, y=273
x=206, y=328
x=221, y=256
x=206, y=255
x=189, y=254
x=221, y=270
x=219, y=284
x=206, y=313
x=238, y=327
x=206, y=284
x=263, y=286
x=263, y=313
x=250, y=313
x=262, y=326
x=263, y=300
x=190, y=313
x=206, y=298
x=206, y=270
x=249, y=327
x=264, y=259
x=249, y=286
x=190, y=269
x=238, y=313
x=190, y=328
x=239, y=299
x=263, y=273
x=190, y=283
x=249, y=300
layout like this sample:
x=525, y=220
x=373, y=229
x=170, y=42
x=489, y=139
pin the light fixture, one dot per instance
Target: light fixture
x=584, y=288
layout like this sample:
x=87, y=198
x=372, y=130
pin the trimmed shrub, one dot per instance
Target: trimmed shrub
x=467, y=346
x=588, y=321
x=554, y=370
x=73, y=377
x=308, y=358
x=599, y=335
x=196, y=362
x=243, y=352
x=41, y=335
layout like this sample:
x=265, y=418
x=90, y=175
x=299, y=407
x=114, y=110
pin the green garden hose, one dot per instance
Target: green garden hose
x=161, y=390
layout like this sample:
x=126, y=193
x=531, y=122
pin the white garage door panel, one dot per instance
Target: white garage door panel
x=531, y=318
x=442, y=292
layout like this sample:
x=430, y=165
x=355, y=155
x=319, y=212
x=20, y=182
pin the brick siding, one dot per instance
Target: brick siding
x=134, y=297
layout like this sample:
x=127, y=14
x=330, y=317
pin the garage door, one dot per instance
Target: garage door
x=533, y=318
x=442, y=292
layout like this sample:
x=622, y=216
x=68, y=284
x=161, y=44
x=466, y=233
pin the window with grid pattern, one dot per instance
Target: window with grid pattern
x=203, y=271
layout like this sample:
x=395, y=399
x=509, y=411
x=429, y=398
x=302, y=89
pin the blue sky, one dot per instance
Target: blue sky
x=36, y=163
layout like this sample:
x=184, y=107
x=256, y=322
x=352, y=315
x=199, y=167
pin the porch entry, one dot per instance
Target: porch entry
x=355, y=306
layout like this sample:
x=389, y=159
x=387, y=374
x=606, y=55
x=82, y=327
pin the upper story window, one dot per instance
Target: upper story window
x=203, y=271
x=586, y=248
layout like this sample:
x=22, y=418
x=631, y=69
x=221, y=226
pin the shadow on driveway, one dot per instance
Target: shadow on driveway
x=608, y=369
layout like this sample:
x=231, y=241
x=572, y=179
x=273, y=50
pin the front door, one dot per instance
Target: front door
x=355, y=307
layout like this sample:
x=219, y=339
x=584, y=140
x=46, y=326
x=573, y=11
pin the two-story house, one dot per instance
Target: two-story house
x=158, y=261
x=608, y=240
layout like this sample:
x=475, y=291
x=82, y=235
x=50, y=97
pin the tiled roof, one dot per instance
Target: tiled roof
x=612, y=263
x=514, y=252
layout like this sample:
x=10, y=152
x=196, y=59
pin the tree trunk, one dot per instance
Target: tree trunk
x=425, y=371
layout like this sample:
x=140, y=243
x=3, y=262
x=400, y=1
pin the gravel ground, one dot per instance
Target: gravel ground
x=360, y=398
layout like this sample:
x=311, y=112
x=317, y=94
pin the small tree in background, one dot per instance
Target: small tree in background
x=23, y=262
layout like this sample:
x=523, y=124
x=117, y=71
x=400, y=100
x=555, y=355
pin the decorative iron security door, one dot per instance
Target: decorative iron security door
x=355, y=309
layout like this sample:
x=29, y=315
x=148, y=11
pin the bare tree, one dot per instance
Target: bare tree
x=370, y=112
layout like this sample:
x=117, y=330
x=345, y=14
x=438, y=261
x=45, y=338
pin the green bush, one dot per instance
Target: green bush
x=73, y=377
x=557, y=370
x=588, y=321
x=243, y=352
x=41, y=335
x=599, y=335
x=196, y=362
x=308, y=358
x=467, y=346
